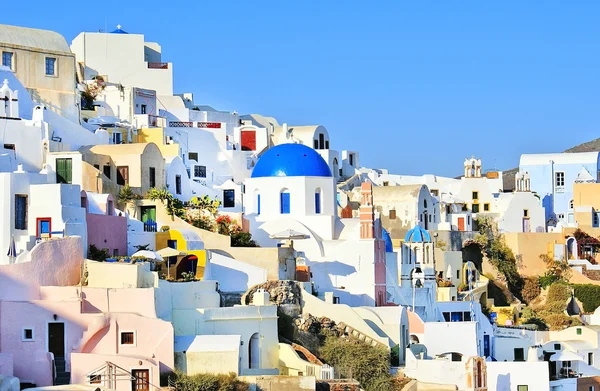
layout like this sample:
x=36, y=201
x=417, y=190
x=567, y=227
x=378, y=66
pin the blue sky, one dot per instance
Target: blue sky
x=415, y=86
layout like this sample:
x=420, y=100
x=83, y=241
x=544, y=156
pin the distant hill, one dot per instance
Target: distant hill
x=508, y=176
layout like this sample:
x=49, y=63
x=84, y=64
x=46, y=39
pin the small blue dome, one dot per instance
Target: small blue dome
x=389, y=247
x=119, y=31
x=417, y=235
x=291, y=160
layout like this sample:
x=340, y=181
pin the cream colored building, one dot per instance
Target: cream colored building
x=43, y=62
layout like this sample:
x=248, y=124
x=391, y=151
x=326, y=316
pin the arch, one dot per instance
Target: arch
x=284, y=201
x=254, y=352
x=469, y=272
x=188, y=264
x=318, y=200
x=335, y=167
x=571, y=248
x=471, y=251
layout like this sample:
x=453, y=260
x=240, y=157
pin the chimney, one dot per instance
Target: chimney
x=367, y=215
x=261, y=298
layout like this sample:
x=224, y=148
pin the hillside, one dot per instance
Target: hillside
x=508, y=176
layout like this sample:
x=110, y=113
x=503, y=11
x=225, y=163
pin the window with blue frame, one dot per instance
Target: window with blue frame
x=258, y=204
x=318, y=202
x=7, y=59
x=50, y=66
x=285, y=202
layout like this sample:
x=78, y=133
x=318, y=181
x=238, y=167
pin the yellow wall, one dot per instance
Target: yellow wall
x=157, y=136
x=162, y=239
x=586, y=195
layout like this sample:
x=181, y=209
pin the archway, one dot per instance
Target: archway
x=335, y=167
x=471, y=252
x=188, y=264
x=254, y=352
x=571, y=248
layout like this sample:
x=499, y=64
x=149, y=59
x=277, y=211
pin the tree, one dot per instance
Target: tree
x=173, y=205
x=558, y=268
x=126, y=195
x=206, y=203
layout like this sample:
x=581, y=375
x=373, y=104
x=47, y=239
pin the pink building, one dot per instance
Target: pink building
x=106, y=229
x=71, y=333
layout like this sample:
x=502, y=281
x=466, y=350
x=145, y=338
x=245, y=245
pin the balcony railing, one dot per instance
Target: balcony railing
x=150, y=226
x=158, y=65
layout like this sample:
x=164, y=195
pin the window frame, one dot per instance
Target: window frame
x=66, y=162
x=590, y=358
x=231, y=203
x=486, y=207
x=23, y=335
x=557, y=175
x=392, y=214
x=199, y=168
x=475, y=195
x=24, y=226
x=474, y=206
x=133, y=333
x=178, y=186
x=523, y=387
x=195, y=158
x=152, y=177
x=54, y=66
x=285, y=195
x=12, y=59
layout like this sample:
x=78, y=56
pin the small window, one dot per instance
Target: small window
x=469, y=220
x=435, y=192
x=50, y=66
x=522, y=388
x=556, y=346
x=486, y=207
x=152, y=177
x=258, y=204
x=9, y=146
x=285, y=202
x=475, y=195
x=106, y=171
x=127, y=338
x=350, y=157
x=28, y=334
x=446, y=316
x=95, y=379
x=7, y=60
x=464, y=208
x=579, y=330
x=519, y=354
x=20, y=211
x=590, y=358
x=327, y=145
x=200, y=171
x=317, y=202
x=177, y=184
x=475, y=208
x=228, y=198
x=560, y=179
x=430, y=218
x=386, y=183
x=458, y=274
x=316, y=144
x=525, y=213
x=144, y=108
x=591, y=388
x=64, y=170
x=595, y=219
x=193, y=156
x=97, y=167
x=392, y=214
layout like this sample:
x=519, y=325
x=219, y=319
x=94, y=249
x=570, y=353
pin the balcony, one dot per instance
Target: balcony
x=158, y=65
x=150, y=121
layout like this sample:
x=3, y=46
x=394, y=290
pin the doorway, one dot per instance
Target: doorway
x=254, y=352
x=141, y=380
x=526, y=225
x=56, y=339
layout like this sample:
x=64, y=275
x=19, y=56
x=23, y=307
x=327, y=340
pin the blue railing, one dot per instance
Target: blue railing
x=150, y=226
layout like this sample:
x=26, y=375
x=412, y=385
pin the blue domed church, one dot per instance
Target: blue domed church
x=292, y=190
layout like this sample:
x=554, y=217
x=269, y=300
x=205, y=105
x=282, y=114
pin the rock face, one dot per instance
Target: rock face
x=281, y=292
x=314, y=325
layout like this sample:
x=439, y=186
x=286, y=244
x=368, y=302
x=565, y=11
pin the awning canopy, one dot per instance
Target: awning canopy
x=169, y=252
x=289, y=234
x=148, y=255
x=565, y=356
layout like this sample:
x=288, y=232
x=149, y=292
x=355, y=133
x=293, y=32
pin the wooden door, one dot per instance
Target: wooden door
x=56, y=339
x=526, y=225
x=141, y=380
x=248, y=140
x=461, y=223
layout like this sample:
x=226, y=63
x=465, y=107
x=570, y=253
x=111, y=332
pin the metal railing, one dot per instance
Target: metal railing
x=150, y=226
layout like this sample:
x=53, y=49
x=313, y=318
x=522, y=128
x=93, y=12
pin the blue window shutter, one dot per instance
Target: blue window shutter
x=317, y=203
x=258, y=204
x=285, y=203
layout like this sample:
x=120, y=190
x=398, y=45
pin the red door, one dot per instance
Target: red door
x=248, y=140
x=461, y=223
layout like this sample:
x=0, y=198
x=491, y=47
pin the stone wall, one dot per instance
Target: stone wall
x=338, y=385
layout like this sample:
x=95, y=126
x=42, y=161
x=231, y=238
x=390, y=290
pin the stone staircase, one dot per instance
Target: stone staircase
x=62, y=377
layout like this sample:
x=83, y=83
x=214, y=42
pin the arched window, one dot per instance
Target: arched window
x=254, y=351
x=257, y=202
x=284, y=201
x=424, y=203
x=318, y=201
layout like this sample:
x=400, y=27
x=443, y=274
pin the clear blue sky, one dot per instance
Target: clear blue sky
x=414, y=86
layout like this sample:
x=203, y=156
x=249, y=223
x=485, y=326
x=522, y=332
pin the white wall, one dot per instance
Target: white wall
x=444, y=337
x=233, y=275
x=174, y=168
x=508, y=376
x=122, y=58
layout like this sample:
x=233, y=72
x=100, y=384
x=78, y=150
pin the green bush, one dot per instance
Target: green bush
x=285, y=325
x=548, y=279
x=561, y=321
x=588, y=295
x=96, y=254
x=369, y=365
x=206, y=382
x=558, y=292
x=242, y=239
